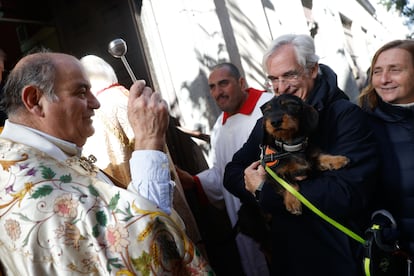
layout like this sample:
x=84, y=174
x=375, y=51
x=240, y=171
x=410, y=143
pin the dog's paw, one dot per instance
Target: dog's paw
x=292, y=204
x=332, y=162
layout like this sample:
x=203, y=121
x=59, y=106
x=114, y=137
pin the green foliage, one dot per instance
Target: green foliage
x=114, y=201
x=95, y=230
x=67, y=178
x=403, y=6
x=47, y=173
x=113, y=262
x=143, y=264
x=101, y=218
x=93, y=191
x=42, y=191
x=398, y=4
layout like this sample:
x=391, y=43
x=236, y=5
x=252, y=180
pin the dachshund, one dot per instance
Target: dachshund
x=288, y=123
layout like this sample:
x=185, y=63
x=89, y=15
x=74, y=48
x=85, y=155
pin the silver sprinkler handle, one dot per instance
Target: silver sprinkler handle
x=118, y=48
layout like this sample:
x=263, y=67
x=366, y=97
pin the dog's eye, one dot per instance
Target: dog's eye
x=266, y=108
x=296, y=107
x=291, y=106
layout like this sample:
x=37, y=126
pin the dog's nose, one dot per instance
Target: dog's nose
x=276, y=123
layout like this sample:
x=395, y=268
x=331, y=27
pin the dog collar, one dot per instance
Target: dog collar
x=270, y=157
x=293, y=147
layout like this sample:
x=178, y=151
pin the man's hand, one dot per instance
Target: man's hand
x=254, y=175
x=148, y=116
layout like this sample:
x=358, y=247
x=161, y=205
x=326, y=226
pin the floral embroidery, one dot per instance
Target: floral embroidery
x=60, y=219
x=13, y=229
x=72, y=235
x=117, y=237
x=65, y=206
x=90, y=262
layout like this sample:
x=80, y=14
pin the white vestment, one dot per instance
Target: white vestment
x=59, y=215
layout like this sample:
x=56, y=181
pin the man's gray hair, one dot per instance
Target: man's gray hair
x=37, y=70
x=303, y=45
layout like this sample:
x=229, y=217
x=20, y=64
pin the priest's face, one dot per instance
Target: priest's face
x=69, y=116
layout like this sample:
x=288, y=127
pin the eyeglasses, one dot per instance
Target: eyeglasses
x=291, y=77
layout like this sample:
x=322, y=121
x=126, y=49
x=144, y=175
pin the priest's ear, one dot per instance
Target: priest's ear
x=32, y=98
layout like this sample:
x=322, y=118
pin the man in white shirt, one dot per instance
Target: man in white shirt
x=60, y=214
x=241, y=109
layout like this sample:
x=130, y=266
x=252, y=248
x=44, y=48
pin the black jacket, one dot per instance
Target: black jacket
x=305, y=244
x=394, y=129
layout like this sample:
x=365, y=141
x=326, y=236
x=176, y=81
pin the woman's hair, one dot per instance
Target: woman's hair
x=368, y=99
x=37, y=70
x=303, y=46
x=100, y=73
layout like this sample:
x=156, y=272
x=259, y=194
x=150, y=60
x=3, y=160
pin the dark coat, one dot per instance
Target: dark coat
x=306, y=244
x=394, y=129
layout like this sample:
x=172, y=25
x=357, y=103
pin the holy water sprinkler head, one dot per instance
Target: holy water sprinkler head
x=117, y=47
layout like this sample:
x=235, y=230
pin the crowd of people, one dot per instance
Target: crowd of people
x=65, y=212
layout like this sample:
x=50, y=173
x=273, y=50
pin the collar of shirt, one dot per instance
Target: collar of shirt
x=248, y=106
x=59, y=149
x=52, y=146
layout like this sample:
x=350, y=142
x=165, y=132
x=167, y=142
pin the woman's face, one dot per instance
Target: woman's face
x=393, y=76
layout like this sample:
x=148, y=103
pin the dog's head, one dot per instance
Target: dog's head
x=287, y=118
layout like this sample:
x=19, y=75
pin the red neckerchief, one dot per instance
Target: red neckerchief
x=248, y=106
x=106, y=88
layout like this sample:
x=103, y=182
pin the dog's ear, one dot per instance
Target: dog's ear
x=311, y=118
x=267, y=139
x=266, y=106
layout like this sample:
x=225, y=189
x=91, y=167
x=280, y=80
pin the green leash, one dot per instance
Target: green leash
x=312, y=207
